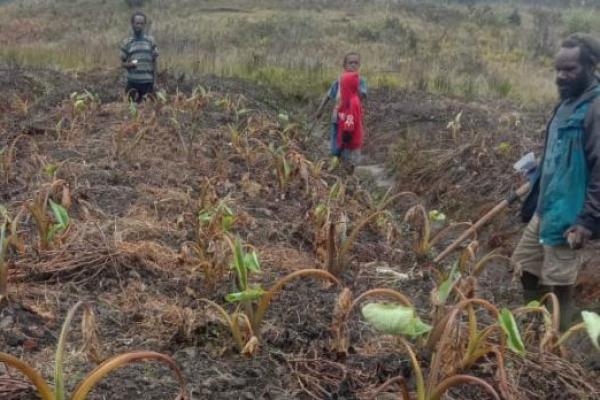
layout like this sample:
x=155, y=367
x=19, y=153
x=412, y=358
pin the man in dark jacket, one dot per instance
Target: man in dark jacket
x=566, y=195
x=138, y=56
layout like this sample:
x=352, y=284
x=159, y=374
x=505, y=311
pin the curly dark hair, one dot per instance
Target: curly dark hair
x=138, y=14
x=589, y=48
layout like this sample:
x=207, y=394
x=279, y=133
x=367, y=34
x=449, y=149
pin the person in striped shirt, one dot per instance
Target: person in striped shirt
x=139, y=58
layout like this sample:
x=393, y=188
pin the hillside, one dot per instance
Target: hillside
x=161, y=205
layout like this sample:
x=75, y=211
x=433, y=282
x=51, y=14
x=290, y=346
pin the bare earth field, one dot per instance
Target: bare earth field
x=138, y=179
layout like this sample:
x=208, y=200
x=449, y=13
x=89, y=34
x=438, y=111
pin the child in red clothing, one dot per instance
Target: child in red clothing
x=350, y=124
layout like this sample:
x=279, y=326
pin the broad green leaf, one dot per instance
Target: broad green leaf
x=592, y=325
x=246, y=295
x=511, y=329
x=60, y=214
x=3, y=239
x=80, y=105
x=162, y=96
x=283, y=117
x=395, y=319
x=251, y=261
x=335, y=190
x=243, y=112
x=227, y=222
x=239, y=265
x=62, y=217
x=205, y=217
x=504, y=147
x=133, y=110
x=320, y=210
x=446, y=286
x=534, y=304
x=437, y=216
x=50, y=169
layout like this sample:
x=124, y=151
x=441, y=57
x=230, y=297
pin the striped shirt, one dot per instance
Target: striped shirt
x=143, y=49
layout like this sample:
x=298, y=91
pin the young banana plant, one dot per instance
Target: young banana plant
x=401, y=316
x=252, y=300
x=400, y=321
x=48, y=230
x=418, y=217
x=437, y=391
x=339, y=248
x=87, y=384
x=8, y=238
x=553, y=340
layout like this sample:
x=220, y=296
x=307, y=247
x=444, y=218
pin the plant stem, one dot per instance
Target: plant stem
x=233, y=327
x=59, y=382
x=122, y=360
x=456, y=380
x=266, y=298
x=347, y=245
x=42, y=387
x=555, y=309
x=572, y=330
x=480, y=266
x=421, y=394
x=398, y=379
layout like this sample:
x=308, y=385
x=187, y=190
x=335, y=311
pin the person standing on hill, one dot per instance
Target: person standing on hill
x=139, y=57
x=563, y=208
x=351, y=64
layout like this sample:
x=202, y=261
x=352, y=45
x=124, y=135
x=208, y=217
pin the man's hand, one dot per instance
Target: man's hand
x=577, y=235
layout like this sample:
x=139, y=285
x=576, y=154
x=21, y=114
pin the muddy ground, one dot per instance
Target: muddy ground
x=136, y=187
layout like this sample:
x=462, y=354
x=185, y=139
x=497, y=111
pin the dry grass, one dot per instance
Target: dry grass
x=471, y=52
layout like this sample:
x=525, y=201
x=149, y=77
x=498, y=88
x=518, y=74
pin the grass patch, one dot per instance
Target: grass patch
x=472, y=52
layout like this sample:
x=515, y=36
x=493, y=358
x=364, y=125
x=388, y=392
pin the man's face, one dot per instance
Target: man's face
x=138, y=24
x=352, y=63
x=572, y=77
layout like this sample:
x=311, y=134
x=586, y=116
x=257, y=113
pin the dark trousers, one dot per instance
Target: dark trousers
x=137, y=91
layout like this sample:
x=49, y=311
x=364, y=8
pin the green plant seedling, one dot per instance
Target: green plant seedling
x=338, y=255
x=87, y=384
x=551, y=321
x=254, y=300
x=39, y=211
x=220, y=215
x=432, y=389
x=479, y=343
x=62, y=220
x=422, y=220
x=511, y=329
x=346, y=304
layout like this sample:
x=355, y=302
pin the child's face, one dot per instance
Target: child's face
x=352, y=63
